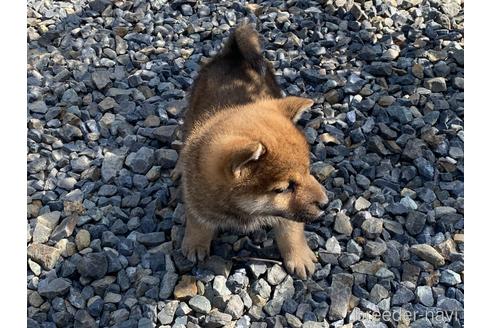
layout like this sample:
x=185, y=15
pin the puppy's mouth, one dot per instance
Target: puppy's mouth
x=318, y=216
x=305, y=217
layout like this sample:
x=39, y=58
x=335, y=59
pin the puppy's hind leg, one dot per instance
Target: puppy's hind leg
x=197, y=239
x=177, y=172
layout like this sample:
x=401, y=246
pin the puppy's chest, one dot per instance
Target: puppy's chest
x=247, y=224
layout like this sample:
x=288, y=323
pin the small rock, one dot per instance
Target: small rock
x=168, y=283
x=283, y=291
x=80, y=164
x=372, y=227
x=408, y=203
x=402, y=296
x=165, y=133
x=218, y=319
x=82, y=239
x=141, y=161
x=354, y=84
x=275, y=275
x=386, y=101
x=380, y=69
x=152, y=238
x=186, y=288
x=333, y=247
x=83, y=319
x=145, y=323
x=166, y=158
x=56, y=287
x=41, y=233
x=367, y=267
x=219, y=286
x=45, y=255
x=449, y=305
x=400, y=113
x=166, y=315
x=424, y=295
x=200, y=304
x=35, y=299
x=436, y=84
x=235, y=307
x=361, y=204
x=357, y=12
x=415, y=222
x=428, y=253
x=65, y=228
x=257, y=269
x=100, y=79
x=49, y=219
x=107, y=104
x=112, y=298
x=95, y=306
x=111, y=166
x=459, y=83
x=293, y=321
x=154, y=173
x=341, y=291
x=342, y=224
x=449, y=278
x=321, y=170
x=425, y=168
x=378, y=293
x=362, y=181
x=375, y=248
x=35, y=268
x=38, y=107
x=93, y=265
x=262, y=289
x=418, y=71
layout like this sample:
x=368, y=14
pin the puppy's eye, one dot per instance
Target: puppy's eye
x=290, y=188
x=279, y=190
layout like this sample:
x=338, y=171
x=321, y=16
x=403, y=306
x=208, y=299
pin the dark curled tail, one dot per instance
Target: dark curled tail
x=244, y=45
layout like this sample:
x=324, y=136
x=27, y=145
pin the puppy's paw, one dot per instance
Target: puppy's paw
x=301, y=262
x=194, y=251
x=176, y=174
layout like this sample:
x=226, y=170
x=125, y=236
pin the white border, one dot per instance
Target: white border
x=478, y=120
x=13, y=164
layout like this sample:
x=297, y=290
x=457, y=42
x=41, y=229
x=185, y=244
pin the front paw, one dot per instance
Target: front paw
x=301, y=262
x=194, y=251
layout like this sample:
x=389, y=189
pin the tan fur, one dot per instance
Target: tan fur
x=241, y=150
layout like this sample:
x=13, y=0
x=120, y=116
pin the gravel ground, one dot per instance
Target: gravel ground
x=106, y=92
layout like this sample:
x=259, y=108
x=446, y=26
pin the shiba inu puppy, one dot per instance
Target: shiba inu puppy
x=244, y=163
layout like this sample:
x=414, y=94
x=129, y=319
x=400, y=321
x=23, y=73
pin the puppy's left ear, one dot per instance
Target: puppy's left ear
x=248, y=153
x=293, y=107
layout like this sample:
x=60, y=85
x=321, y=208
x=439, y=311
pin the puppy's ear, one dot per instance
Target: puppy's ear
x=231, y=157
x=293, y=107
x=242, y=155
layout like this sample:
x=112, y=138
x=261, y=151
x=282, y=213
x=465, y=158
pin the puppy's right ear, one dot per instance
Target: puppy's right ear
x=293, y=107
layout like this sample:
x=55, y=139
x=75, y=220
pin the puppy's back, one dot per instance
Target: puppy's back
x=236, y=76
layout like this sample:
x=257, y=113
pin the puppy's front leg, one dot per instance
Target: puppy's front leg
x=197, y=239
x=298, y=257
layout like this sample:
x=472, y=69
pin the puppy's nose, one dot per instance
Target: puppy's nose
x=323, y=202
x=322, y=205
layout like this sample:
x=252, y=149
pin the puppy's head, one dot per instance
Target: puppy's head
x=265, y=166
